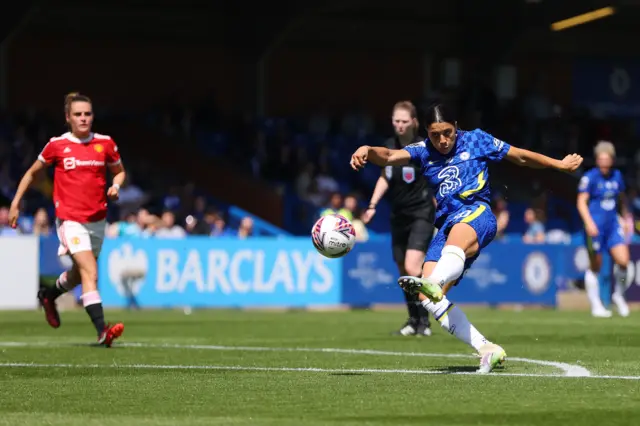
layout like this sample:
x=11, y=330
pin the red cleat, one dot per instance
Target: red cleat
x=49, y=307
x=111, y=333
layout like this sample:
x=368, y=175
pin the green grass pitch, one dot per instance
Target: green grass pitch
x=223, y=367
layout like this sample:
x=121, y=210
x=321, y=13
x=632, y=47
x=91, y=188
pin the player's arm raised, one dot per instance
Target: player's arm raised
x=380, y=156
x=526, y=158
x=23, y=186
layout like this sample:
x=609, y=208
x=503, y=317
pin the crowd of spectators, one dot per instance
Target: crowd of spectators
x=307, y=157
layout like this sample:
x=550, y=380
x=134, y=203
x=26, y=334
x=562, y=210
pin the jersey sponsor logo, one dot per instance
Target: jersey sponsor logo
x=408, y=174
x=71, y=163
x=451, y=182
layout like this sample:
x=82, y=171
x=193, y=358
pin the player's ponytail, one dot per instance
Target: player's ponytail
x=72, y=97
x=413, y=113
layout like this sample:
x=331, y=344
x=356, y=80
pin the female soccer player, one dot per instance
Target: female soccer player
x=81, y=159
x=412, y=213
x=455, y=164
x=600, y=193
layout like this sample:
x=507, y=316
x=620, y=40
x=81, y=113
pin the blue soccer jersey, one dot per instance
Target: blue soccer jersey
x=604, y=194
x=461, y=178
x=460, y=181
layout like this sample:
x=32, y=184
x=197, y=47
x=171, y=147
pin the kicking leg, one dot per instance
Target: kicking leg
x=462, y=242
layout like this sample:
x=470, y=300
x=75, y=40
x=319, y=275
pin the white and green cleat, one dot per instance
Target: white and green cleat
x=491, y=356
x=414, y=285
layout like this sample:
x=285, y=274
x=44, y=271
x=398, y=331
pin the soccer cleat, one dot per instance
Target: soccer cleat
x=601, y=312
x=408, y=329
x=49, y=307
x=423, y=330
x=621, y=304
x=110, y=333
x=491, y=356
x=413, y=328
x=413, y=285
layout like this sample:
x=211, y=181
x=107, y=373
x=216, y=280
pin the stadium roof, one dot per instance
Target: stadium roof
x=460, y=25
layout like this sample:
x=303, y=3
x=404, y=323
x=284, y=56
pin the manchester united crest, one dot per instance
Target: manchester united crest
x=98, y=148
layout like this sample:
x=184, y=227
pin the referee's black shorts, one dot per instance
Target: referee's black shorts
x=410, y=234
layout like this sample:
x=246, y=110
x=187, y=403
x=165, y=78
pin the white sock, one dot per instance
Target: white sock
x=452, y=319
x=449, y=267
x=592, y=286
x=621, y=275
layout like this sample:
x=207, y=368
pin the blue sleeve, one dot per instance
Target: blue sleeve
x=419, y=153
x=585, y=184
x=491, y=147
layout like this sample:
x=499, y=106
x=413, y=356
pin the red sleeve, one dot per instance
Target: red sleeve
x=113, y=155
x=49, y=154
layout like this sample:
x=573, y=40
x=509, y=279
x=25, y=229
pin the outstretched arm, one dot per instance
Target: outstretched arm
x=23, y=186
x=380, y=156
x=526, y=158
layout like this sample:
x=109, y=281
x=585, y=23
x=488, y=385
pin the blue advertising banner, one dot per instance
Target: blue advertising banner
x=205, y=272
x=370, y=275
x=607, y=88
x=504, y=273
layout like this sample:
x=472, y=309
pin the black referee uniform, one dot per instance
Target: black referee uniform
x=412, y=217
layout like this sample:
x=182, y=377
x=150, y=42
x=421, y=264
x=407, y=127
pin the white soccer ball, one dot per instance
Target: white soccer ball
x=333, y=236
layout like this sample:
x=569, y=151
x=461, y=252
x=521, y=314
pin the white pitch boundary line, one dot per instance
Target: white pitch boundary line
x=569, y=370
x=294, y=369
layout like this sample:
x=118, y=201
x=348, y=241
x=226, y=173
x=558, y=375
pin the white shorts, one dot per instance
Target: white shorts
x=76, y=237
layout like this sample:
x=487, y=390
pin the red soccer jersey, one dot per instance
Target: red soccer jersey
x=80, y=177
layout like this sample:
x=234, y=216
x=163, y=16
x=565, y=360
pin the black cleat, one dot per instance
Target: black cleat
x=49, y=306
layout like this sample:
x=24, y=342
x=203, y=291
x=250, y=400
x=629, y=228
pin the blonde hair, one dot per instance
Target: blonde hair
x=604, y=147
x=413, y=113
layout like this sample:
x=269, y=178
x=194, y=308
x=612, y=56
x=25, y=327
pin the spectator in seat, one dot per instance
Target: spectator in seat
x=246, y=228
x=500, y=210
x=335, y=207
x=535, y=233
x=169, y=228
x=41, y=223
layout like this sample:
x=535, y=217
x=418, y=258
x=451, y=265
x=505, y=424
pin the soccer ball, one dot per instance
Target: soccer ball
x=333, y=236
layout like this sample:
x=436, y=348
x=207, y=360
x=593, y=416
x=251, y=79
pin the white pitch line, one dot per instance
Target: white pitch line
x=569, y=370
x=294, y=369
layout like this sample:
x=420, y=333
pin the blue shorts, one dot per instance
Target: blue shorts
x=480, y=217
x=610, y=235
